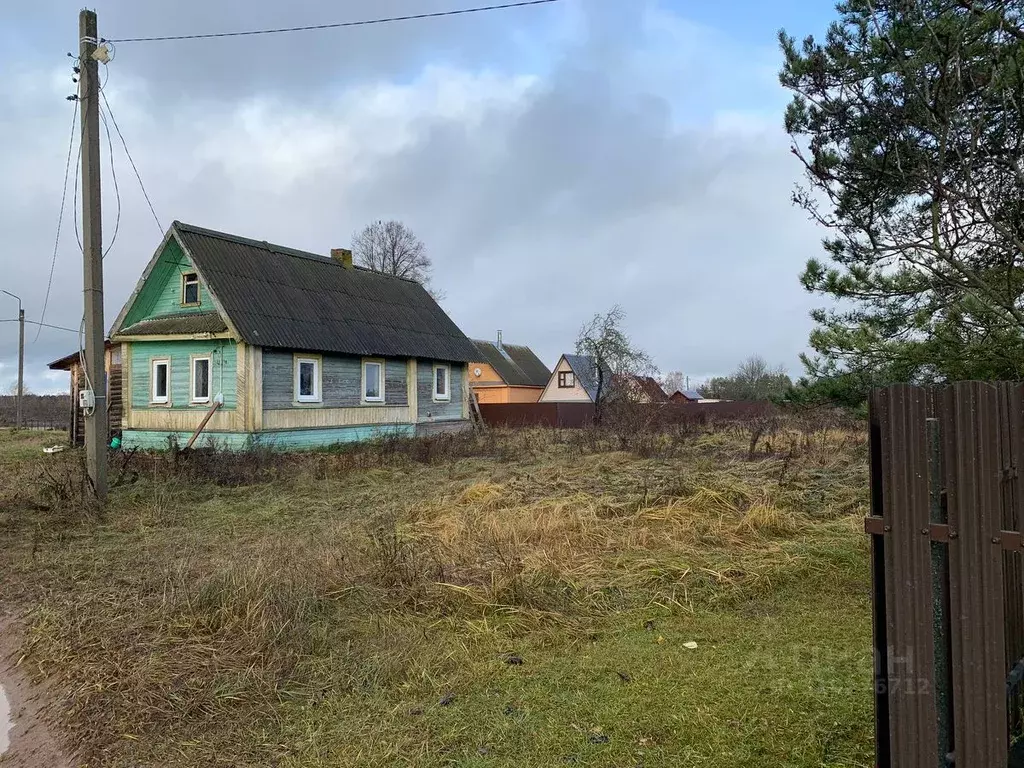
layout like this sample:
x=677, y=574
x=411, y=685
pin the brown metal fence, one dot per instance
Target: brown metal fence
x=577, y=415
x=569, y=415
x=946, y=529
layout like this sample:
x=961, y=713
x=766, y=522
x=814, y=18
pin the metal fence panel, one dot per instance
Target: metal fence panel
x=878, y=603
x=947, y=525
x=1012, y=432
x=970, y=421
x=903, y=414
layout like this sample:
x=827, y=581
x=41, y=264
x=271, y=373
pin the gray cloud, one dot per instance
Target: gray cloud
x=545, y=192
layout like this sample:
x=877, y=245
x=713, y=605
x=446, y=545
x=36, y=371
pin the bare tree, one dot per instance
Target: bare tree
x=394, y=249
x=615, y=357
x=754, y=379
x=12, y=389
x=672, y=382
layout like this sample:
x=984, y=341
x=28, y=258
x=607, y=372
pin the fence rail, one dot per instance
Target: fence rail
x=947, y=526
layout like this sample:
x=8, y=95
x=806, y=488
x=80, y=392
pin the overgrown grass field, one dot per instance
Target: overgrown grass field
x=537, y=598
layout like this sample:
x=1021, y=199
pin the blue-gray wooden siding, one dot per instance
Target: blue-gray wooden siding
x=441, y=411
x=342, y=378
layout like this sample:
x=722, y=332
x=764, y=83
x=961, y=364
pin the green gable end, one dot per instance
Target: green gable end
x=161, y=295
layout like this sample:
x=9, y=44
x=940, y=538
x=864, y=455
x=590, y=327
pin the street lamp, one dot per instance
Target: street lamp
x=21, y=354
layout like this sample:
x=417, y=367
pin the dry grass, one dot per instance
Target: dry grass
x=258, y=610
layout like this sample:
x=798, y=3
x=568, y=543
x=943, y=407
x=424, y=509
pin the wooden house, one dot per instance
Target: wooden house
x=643, y=389
x=268, y=345
x=73, y=364
x=506, y=373
x=686, y=396
x=575, y=380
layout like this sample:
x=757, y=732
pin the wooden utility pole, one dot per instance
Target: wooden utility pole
x=92, y=240
x=21, y=359
x=21, y=363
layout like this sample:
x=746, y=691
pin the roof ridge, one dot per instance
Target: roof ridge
x=284, y=250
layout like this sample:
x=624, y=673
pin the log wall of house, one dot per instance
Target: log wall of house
x=443, y=410
x=341, y=382
x=115, y=403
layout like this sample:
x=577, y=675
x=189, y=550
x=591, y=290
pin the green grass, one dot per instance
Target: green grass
x=318, y=610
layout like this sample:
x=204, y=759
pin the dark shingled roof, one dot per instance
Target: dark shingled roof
x=518, y=367
x=65, y=363
x=281, y=297
x=186, y=322
x=585, y=370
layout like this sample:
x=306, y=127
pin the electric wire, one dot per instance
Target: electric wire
x=113, y=173
x=41, y=325
x=336, y=25
x=138, y=176
x=60, y=216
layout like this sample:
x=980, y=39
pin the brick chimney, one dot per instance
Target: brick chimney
x=343, y=256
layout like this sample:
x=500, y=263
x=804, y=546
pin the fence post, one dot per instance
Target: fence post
x=940, y=594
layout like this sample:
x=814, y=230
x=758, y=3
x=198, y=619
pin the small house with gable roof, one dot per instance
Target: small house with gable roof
x=259, y=343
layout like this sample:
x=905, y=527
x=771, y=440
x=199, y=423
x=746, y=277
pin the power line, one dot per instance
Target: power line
x=130, y=160
x=113, y=173
x=60, y=216
x=337, y=25
x=43, y=325
x=74, y=202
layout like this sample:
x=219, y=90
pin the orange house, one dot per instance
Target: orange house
x=507, y=373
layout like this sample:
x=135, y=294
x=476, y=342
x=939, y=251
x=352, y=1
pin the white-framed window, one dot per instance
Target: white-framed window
x=373, y=381
x=307, y=380
x=160, y=378
x=442, y=383
x=189, y=288
x=200, y=379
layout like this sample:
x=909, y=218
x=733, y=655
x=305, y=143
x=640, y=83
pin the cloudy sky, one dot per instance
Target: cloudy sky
x=556, y=160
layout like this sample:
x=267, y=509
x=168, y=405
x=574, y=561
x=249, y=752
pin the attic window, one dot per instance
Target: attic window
x=189, y=288
x=566, y=380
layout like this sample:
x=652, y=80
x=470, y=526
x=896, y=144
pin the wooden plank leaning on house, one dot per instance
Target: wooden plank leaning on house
x=202, y=424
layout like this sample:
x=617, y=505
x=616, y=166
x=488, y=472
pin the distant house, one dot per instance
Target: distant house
x=282, y=347
x=506, y=373
x=575, y=380
x=72, y=364
x=644, y=389
x=686, y=396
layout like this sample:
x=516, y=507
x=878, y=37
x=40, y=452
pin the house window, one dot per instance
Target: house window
x=189, y=288
x=161, y=381
x=373, y=381
x=442, y=374
x=566, y=380
x=307, y=380
x=200, y=379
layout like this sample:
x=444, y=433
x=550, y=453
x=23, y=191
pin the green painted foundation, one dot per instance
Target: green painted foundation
x=292, y=439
